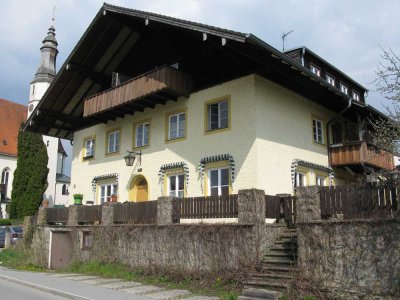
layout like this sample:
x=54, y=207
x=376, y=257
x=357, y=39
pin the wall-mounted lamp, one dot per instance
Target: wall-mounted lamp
x=131, y=156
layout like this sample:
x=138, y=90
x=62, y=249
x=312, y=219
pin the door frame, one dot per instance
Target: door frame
x=133, y=187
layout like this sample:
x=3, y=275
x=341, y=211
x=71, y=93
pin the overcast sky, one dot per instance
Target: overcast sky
x=348, y=34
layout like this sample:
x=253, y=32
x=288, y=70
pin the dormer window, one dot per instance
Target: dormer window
x=330, y=79
x=315, y=70
x=344, y=88
x=356, y=96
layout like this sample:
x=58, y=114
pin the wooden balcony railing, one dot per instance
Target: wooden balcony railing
x=361, y=152
x=160, y=83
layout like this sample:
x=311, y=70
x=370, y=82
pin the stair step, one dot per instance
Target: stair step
x=278, y=262
x=267, y=284
x=280, y=252
x=271, y=275
x=260, y=294
x=247, y=298
x=275, y=268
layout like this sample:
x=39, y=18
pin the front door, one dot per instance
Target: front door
x=141, y=193
x=139, y=189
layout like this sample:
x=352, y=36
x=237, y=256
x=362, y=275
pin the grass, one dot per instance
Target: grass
x=226, y=289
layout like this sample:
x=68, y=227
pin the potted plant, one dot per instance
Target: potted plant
x=78, y=199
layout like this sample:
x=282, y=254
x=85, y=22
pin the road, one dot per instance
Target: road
x=11, y=290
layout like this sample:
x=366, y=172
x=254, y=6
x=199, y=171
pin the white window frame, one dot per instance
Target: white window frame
x=178, y=193
x=5, y=176
x=90, y=144
x=219, y=186
x=316, y=70
x=356, y=96
x=219, y=104
x=318, y=131
x=344, y=88
x=115, y=137
x=330, y=79
x=178, y=128
x=106, y=191
x=141, y=128
x=300, y=177
x=320, y=180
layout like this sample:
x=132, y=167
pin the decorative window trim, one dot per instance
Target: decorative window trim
x=103, y=177
x=181, y=164
x=221, y=157
x=302, y=163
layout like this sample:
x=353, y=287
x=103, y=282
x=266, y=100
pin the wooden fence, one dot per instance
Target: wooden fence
x=89, y=214
x=281, y=206
x=359, y=201
x=135, y=212
x=205, y=207
x=57, y=215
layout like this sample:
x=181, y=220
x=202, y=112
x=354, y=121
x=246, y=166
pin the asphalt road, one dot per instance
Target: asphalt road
x=11, y=290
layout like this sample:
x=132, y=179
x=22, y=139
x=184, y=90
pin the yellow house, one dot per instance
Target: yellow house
x=203, y=111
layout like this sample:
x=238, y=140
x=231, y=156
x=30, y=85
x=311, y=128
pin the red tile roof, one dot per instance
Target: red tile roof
x=11, y=116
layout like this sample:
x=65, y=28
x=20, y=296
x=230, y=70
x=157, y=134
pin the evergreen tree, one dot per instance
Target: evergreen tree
x=30, y=177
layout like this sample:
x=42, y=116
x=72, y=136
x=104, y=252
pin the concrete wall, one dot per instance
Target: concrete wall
x=270, y=127
x=353, y=259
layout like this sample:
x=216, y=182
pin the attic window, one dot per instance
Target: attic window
x=315, y=70
x=4, y=142
x=356, y=96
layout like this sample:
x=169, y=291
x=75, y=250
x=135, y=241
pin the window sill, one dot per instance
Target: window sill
x=319, y=144
x=217, y=130
x=112, y=153
x=175, y=140
x=86, y=158
x=141, y=147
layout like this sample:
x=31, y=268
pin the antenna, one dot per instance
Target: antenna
x=284, y=35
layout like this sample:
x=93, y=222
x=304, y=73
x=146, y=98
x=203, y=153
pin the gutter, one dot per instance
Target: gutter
x=329, y=123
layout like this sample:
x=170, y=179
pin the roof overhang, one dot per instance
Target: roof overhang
x=133, y=42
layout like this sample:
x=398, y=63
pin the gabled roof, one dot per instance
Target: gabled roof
x=133, y=42
x=12, y=115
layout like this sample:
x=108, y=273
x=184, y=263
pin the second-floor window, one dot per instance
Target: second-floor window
x=318, y=131
x=89, y=148
x=330, y=79
x=315, y=70
x=177, y=126
x=344, y=88
x=142, y=134
x=356, y=96
x=218, y=115
x=113, y=141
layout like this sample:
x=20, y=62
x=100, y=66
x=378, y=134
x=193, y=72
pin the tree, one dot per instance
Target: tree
x=388, y=85
x=30, y=177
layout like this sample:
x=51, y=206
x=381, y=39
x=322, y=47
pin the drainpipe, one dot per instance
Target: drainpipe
x=329, y=123
x=303, y=51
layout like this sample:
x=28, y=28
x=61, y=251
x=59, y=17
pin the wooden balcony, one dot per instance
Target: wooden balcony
x=359, y=153
x=147, y=90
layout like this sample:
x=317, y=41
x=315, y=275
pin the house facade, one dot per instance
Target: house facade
x=12, y=116
x=203, y=110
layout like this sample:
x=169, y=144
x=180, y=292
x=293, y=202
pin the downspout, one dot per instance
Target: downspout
x=303, y=51
x=329, y=123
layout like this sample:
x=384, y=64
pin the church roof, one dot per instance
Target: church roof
x=12, y=115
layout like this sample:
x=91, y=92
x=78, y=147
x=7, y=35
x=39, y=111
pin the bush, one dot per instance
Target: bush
x=5, y=222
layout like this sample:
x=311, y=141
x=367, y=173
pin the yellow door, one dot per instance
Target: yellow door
x=138, y=189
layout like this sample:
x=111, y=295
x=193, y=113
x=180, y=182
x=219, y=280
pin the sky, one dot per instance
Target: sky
x=348, y=34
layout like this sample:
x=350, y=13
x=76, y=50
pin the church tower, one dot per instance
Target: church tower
x=46, y=71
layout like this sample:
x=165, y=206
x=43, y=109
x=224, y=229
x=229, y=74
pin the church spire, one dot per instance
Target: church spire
x=46, y=70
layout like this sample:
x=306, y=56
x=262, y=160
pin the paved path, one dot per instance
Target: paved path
x=77, y=286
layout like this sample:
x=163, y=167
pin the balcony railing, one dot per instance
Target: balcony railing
x=156, y=86
x=361, y=152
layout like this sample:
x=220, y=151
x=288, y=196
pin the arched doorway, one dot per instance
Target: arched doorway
x=139, y=190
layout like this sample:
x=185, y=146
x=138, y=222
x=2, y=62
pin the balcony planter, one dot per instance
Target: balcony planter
x=78, y=199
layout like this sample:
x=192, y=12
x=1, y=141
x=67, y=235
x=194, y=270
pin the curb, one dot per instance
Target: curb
x=44, y=288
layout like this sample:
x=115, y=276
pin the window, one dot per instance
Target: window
x=330, y=79
x=356, y=96
x=317, y=131
x=315, y=70
x=218, y=115
x=344, y=88
x=87, y=240
x=113, y=141
x=89, y=148
x=218, y=182
x=299, y=179
x=320, y=180
x=176, y=126
x=106, y=191
x=64, y=190
x=176, y=185
x=4, y=176
x=142, y=134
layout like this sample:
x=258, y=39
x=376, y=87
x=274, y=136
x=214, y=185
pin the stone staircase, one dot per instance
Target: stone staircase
x=275, y=273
